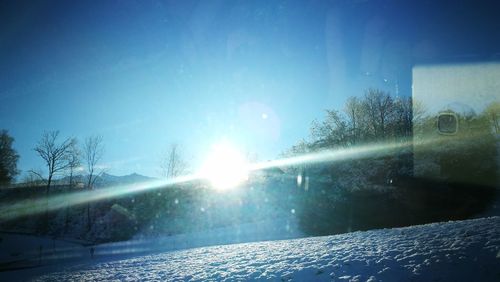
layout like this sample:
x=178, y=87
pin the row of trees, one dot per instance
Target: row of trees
x=79, y=163
x=334, y=192
x=59, y=156
x=439, y=177
x=376, y=116
x=67, y=156
x=372, y=118
x=97, y=220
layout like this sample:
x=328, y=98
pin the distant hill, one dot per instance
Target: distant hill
x=105, y=179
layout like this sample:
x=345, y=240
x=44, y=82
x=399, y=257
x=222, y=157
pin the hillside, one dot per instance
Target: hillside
x=466, y=250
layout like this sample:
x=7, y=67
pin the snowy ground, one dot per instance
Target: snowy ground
x=453, y=251
x=26, y=251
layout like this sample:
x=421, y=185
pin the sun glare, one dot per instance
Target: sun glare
x=225, y=167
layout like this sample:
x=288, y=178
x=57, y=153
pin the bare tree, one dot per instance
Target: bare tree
x=93, y=149
x=332, y=132
x=34, y=178
x=74, y=155
x=54, y=154
x=56, y=159
x=355, y=119
x=172, y=164
x=379, y=107
x=402, y=117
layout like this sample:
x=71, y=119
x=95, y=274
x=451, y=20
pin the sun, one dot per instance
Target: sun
x=225, y=167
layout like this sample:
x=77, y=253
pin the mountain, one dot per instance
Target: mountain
x=105, y=179
x=108, y=179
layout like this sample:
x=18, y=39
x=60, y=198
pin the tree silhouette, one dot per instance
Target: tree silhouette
x=93, y=149
x=172, y=164
x=57, y=159
x=55, y=155
x=8, y=158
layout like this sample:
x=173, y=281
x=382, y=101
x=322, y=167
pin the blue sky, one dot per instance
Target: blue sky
x=147, y=74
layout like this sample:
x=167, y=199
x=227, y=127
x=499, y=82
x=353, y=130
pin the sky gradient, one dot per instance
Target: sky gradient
x=145, y=74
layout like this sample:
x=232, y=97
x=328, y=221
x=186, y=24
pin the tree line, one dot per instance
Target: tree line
x=66, y=156
x=76, y=161
x=384, y=190
x=59, y=156
x=376, y=116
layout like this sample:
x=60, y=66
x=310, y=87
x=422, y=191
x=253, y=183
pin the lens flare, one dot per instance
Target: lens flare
x=55, y=202
x=225, y=167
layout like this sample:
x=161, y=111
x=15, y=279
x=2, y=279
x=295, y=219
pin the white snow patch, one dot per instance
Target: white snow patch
x=452, y=251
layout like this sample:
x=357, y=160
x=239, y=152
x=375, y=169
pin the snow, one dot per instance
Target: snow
x=25, y=251
x=466, y=250
x=19, y=245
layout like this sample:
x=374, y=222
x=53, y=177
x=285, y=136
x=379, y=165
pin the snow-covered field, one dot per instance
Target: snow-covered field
x=453, y=251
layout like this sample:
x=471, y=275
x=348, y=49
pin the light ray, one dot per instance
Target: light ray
x=31, y=207
x=334, y=155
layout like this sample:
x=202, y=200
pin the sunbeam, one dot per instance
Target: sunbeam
x=225, y=167
x=30, y=207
